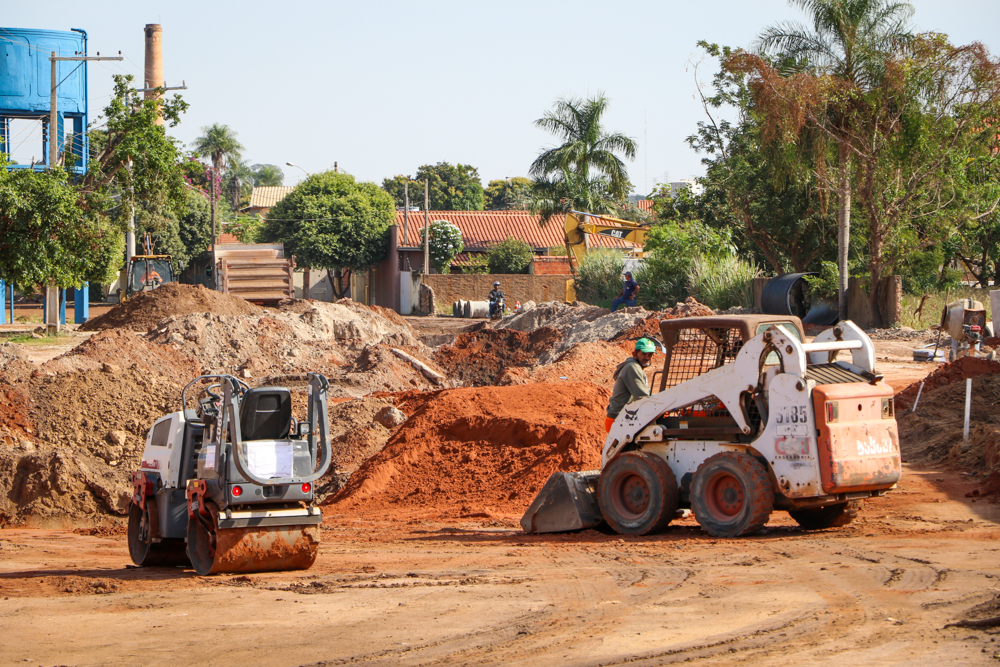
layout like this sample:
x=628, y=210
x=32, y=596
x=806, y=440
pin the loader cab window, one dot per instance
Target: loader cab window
x=787, y=327
x=150, y=274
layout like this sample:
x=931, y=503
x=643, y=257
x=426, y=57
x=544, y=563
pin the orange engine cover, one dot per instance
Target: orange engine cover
x=858, y=439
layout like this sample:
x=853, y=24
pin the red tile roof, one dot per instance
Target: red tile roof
x=482, y=229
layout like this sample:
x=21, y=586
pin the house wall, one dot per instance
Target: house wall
x=450, y=287
x=551, y=266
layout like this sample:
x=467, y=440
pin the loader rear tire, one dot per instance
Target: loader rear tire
x=731, y=494
x=638, y=493
x=831, y=516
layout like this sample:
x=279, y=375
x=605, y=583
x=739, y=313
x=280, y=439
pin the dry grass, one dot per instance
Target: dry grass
x=931, y=313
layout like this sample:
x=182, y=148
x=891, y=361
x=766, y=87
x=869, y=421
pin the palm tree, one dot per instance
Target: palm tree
x=219, y=142
x=267, y=175
x=586, y=163
x=850, y=40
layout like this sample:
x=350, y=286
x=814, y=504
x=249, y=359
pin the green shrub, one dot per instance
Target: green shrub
x=477, y=264
x=599, y=277
x=723, y=283
x=660, y=284
x=510, y=256
x=445, y=244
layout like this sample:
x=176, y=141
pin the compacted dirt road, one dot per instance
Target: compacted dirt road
x=402, y=590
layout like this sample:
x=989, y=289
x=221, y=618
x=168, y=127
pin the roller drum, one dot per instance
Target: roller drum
x=213, y=550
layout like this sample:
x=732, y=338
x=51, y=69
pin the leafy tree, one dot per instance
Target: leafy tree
x=195, y=174
x=51, y=231
x=845, y=53
x=445, y=244
x=510, y=256
x=330, y=221
x=452, y=187
x=769, y=196
x=914, y=133
x=508, y=193
x=195, y=224
x=61, y=230
x=585, y=169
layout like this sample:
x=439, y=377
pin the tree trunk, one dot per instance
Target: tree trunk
x=339, y=282
x=844, y=227
x=875, y=268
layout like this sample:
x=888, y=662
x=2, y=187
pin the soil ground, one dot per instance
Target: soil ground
x=398, y=590
x=432, y=568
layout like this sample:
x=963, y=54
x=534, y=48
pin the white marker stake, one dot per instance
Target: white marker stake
x=917, y=399
x=968, y=407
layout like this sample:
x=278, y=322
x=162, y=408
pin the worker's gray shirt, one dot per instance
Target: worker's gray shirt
x=630, y=385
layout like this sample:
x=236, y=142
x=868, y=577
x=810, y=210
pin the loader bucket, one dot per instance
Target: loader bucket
x=568, y=501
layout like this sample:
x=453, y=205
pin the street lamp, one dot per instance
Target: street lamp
x=298, y=167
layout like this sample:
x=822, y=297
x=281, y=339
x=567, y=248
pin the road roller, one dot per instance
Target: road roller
x=227, y=486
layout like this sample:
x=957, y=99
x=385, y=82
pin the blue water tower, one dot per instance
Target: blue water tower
x=25, y=86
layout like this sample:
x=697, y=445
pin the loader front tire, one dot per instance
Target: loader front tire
x=638, y=493
x=831, y=516
x=731, y=494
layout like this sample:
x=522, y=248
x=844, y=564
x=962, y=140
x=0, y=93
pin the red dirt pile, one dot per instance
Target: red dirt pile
x=956, y=371
x=933, y=434
x=144, y=310
x=471, y=451
x=479, y=358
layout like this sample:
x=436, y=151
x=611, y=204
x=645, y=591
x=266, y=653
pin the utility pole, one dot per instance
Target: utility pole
x=427, y=227
x=52, y=293
x=53, y=113
x=406, y=209
x=215, y=269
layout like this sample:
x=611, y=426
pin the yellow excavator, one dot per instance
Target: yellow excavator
x=579, y=225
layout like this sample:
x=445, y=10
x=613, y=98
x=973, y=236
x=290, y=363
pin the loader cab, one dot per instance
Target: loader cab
x=697, y=345
x=147, y=272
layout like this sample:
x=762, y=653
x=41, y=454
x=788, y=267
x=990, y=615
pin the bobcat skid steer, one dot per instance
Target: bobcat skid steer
x=747, y=419
x=228, y=487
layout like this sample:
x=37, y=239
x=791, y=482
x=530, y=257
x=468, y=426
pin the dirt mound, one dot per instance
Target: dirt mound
x=956, y=371
x=13, y=363
x=554, y=314
x=933, y=434
x=478, y=358
x=585, y=362
x=144, y=310
x=346, y=341
x=123, y=347
x=81, y=433
x=480, y=449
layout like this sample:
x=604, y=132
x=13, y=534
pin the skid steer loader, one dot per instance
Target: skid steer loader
x=747, y=419
x=227, y=487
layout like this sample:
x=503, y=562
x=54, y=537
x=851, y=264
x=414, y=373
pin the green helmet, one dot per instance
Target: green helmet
x=645, y=345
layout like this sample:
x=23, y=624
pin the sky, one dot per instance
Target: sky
x=383, y=87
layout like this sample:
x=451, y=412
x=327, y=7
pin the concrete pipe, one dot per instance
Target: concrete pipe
x=461, y=308
x=477, y=309
x=454, y=309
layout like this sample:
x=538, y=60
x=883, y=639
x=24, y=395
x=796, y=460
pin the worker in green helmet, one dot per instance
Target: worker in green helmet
x=630, y=380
